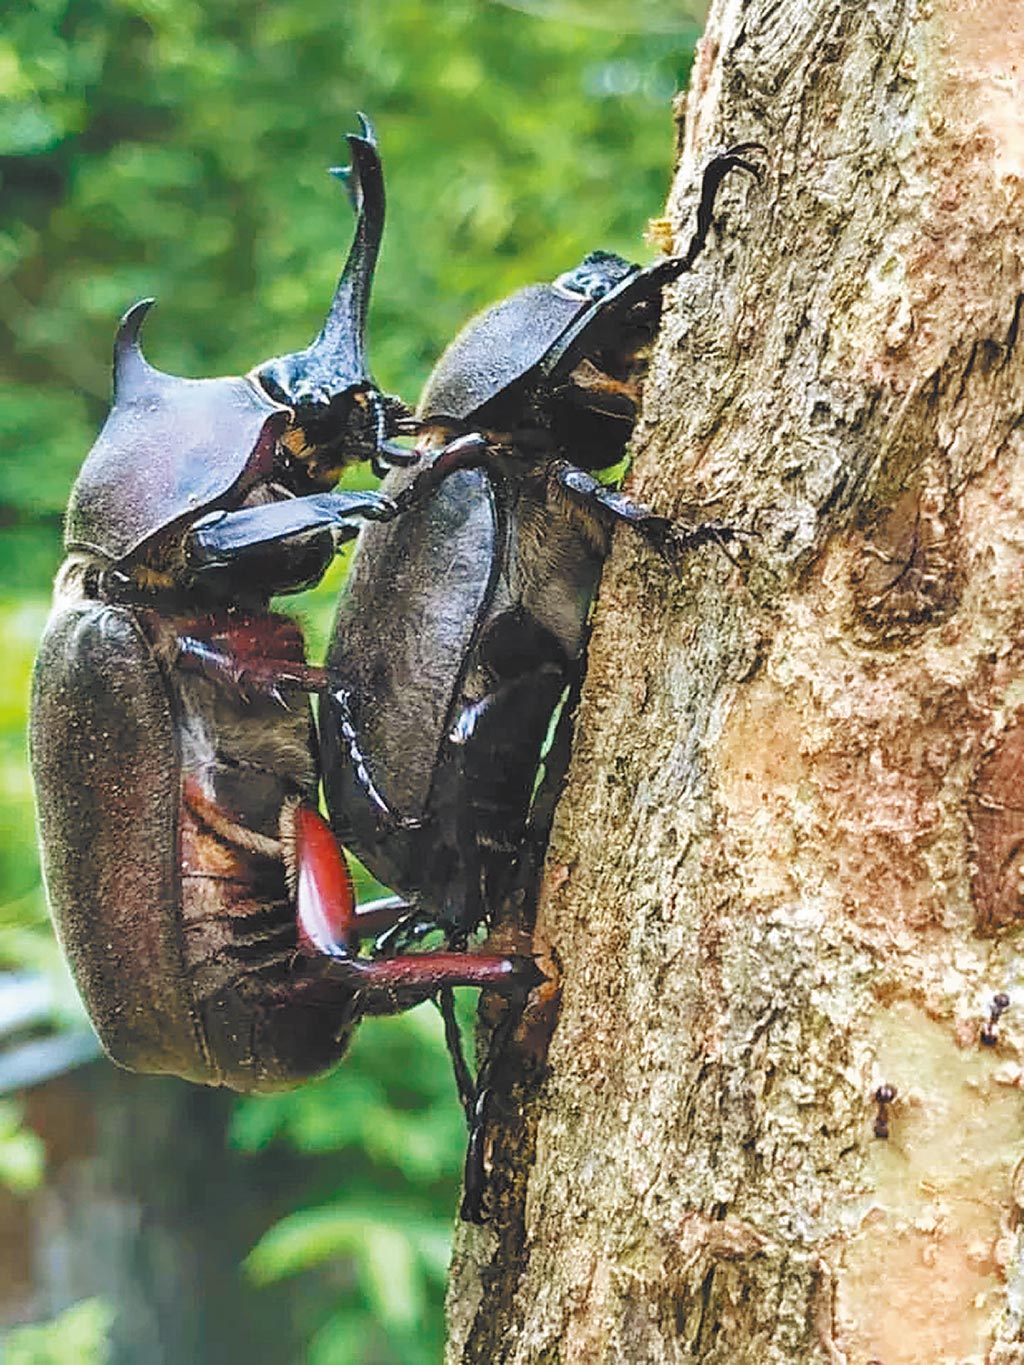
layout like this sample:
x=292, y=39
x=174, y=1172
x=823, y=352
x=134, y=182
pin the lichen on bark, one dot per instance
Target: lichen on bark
x=787, y=868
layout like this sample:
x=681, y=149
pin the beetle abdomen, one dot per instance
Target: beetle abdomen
x=240, y=946
x=245, y=757
x=159, y=797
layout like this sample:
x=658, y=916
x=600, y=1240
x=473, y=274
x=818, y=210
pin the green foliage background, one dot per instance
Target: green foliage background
x=177, y=148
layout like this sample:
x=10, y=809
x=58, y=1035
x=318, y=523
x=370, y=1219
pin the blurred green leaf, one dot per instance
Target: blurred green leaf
x=79, y=1336
x=22, y=1154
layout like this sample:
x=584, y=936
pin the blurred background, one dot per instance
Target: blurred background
x=178, y=148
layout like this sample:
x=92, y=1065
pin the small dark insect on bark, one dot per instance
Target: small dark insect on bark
x=884, y=1096
x=990, y=1029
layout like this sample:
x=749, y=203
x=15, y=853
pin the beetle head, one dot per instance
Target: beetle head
x=595, y=276
x=507, y=342
x=340, y=414
x=171, y=448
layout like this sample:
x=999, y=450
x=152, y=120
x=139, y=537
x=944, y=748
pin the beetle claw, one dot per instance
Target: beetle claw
x=394, y=456
x=386, y=509
x=673, y=539
x=409, y=930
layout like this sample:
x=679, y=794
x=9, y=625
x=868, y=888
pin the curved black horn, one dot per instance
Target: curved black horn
x=132, y=371
x=335, y=361
x=342, y=339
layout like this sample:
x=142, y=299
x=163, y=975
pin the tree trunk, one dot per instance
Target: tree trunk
x=788, y=866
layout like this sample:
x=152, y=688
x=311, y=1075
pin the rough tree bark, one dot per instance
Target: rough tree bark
x=788, y=867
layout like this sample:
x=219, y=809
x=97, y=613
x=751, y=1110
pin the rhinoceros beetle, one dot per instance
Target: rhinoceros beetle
x=451, y=682
x=204, y=906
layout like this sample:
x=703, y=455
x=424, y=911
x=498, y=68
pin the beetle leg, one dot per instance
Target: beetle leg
x=464, y=1082
x=273, y=677
x=328, y=930
x=411, y=927
x=346, y=724
x=485, y=780
x=390, y=456
x=221, y=538
x=732, y=159
x=465, y=452
x=474, y=1207
x=325, y=898
x=376, y=919
x=668, y=536
x=389, y=985
x=588, y=330
x=250, y=676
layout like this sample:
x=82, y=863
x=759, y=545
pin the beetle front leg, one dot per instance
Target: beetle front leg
x=641, y=286
x=329, y=928
x=252, y=674
x=464, y=452
x=223, y=538
x=665, y=534
x=732, y=159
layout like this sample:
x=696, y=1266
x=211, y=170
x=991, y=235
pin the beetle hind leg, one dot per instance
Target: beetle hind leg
x=329, y=930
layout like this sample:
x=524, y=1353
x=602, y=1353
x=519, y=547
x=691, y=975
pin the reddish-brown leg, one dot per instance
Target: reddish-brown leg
x=329, y=925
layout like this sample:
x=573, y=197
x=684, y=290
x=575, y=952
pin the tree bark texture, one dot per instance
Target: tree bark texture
x=789, y=865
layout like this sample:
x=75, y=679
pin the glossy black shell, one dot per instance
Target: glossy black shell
x=405, y=662
x=187, y=960
x=106, y=770
x=170, y=449
x=505, y=342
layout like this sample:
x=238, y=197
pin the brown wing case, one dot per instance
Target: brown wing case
x=107, y=775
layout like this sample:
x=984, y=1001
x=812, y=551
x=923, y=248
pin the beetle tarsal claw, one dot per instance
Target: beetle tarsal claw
x=385, y=509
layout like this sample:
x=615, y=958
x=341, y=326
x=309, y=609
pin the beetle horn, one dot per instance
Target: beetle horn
x=334, y=363
x=132, y=371
x=342, y=340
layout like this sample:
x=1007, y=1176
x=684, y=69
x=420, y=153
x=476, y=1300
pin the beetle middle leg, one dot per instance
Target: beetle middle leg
x=471, y=451
x=230, y=657
x=339, y=698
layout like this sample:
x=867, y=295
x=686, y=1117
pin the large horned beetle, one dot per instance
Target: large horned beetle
x=464, y=621
x=203, y=904
x=463, y=624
